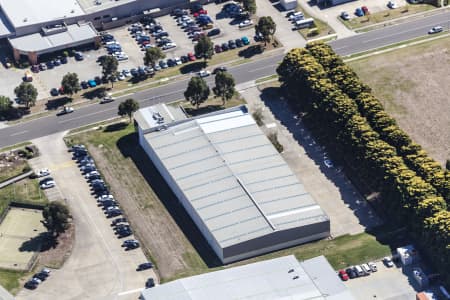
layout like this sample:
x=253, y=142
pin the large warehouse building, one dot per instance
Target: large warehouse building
x=236, y=187
x=35, y=27
x=283, y=278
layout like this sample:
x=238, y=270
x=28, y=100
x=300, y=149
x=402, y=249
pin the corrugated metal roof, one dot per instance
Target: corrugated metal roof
x=266, y=280
x=28, y=12
x=235, y=179
x=36, y=42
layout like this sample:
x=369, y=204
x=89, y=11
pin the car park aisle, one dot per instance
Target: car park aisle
x=98, y=266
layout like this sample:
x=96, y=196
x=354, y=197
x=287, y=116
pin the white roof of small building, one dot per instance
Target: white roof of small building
x=37, y=42
x=234, y=178
x=90, y=6
x=27, y=12
x=281, y=278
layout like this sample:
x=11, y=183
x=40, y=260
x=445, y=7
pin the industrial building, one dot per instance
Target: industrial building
x=232, y=182
x=279, y=278
x=36, y=27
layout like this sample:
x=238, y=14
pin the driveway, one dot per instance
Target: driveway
x=348, y=212
x=98, y=267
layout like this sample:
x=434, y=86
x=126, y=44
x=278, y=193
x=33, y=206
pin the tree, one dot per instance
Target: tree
x=204, y=47
x=5, y=104
x=152, y=55
x=27, y=93
x=70, y=84
x=109, y=66
x=224, y=86
x=197, y=91
x=447, y=164
x=56, y=217
x=128, y=107
x=249, y=6
x=267, y=27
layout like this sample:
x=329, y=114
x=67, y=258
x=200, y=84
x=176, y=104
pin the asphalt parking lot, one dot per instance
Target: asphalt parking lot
x=386, y=283
x=98, y=267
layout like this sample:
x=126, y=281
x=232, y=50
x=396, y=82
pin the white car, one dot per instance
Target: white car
x=204, y=73
x=388, y=262
x=48, y=184
x=372, y=266
x=105, y=198
x=436, y=29
x=93, y=173
x=122, y=57
x=178, y=61
x=121, y=77
x=169, y=46
x=328, y=163
x=43, y=172
x=245, y=23
x=126, y=73
x=296, y=15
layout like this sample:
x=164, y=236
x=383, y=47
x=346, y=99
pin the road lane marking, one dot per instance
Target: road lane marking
x=19, y=133
x=86, y=115
x=262, y=68
x=394, y=34
x=130, y=292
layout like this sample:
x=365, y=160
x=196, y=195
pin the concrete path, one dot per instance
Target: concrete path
x=15, y=179
x=98, y=267
x=348, y=212
x=5, y=295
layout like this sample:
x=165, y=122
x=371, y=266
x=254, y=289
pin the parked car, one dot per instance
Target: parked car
x=77, y=147
x=191, y=56
x=343, y=275
x=48, y=184
x=134, y=72
x=213, y=32
x=144, y=266
x=169, y=46
x=79, y=56
x=292, y=15
x=351, y=273
x=217, y=48
x=231, y=44
x=238, y=43
x=130, y=244
x=365, y=10
x=345, y=16
x=92, y=83
x=84, y=84
x=150, y=283
x=245, y=40
x=118, y=220
x=42, y=66
x=245, y=23
x=372, y=266
x=359, y=12
x=392, y=5
x=436, y=29
x=225, y=47
x=366, y=269
x=388, y=262
x=43, y=172
x=54, y=92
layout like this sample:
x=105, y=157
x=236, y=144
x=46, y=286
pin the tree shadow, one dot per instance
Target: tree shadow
x=203, y=109
x=130, y=148
x=116, y=127
x=95, y=93
x=14, y=113
x=42, y=242
x=193, y=67
x=57, y=103
x=251, y=51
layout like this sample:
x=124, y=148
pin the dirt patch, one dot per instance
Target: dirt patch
x=54, y=253
x=412, y=84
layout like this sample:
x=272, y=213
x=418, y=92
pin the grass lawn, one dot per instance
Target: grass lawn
x=10, y=280
x=212, y=104
x=16, y=146
x=386, y=15
x=11, y=171
x=323, y=28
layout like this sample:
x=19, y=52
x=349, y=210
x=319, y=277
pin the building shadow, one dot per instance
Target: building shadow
x=130, y=148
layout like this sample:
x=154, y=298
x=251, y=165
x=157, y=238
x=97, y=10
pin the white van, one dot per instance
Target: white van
x=359, y=270
x=366, y=268
x=306, y=23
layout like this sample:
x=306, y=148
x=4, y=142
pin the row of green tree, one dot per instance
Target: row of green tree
x=406, y=196
x=371, y=108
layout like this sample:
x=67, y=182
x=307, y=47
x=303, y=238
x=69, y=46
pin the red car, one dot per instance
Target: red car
x=200, y=12
x=343, y=275
x=217, y=48
x=365, y=10
x=191, y=56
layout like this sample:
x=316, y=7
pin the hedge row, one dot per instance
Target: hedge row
x=312, y=80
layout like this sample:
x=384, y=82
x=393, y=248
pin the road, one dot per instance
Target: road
x=242, y=73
